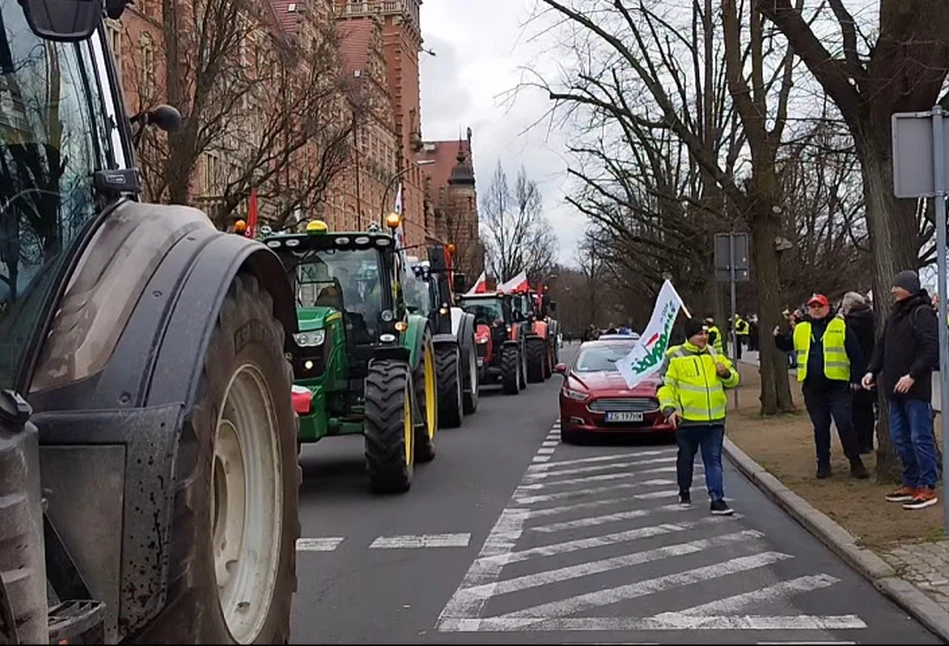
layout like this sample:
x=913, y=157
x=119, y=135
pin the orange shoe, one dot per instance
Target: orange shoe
x=903, y=494
x=925, y=497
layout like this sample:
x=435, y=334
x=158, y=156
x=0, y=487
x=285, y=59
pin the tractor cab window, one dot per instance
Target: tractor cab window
x=349, y=280
x=417, y=292
x=53, y=138
x=484, y=310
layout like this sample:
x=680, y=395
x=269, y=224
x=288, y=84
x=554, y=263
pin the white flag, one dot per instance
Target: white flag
x=647, y=355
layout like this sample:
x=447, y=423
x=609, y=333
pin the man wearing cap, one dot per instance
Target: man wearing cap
x=824, y=353
x=904, y=359
x=714, y=335
x=692, y=398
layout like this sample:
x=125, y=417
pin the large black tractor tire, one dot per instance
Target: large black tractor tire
x=510, y=369
x=239, y=367
x=522, y=365
x=388, y=427
x=448, y=371
x=536, y=359
x=472, y=387
x=426, y=396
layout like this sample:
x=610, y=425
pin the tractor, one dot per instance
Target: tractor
x=543, y=348
x=501, y=328
x=428, y=291
x=148, y=465
x=362, y=362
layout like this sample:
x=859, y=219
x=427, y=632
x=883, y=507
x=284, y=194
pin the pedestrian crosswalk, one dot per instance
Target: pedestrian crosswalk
x=599, y=543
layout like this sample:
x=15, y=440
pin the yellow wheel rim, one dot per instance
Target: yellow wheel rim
x=407, y=425
x=430, y=395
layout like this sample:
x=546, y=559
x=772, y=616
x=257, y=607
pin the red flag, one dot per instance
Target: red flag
x=518, y=284
x=252, y=214
x=480, y=286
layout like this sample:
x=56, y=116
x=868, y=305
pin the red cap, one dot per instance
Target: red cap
x=820, y=299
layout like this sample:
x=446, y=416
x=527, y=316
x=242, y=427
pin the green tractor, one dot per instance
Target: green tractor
x=362, y=363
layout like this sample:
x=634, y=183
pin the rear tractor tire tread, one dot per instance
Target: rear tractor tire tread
x=510, y=370
x=536, y=358
x=384, y=427
x=424, y=445
x=448, y=374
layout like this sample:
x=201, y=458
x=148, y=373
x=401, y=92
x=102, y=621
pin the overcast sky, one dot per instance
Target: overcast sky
x=479, y=47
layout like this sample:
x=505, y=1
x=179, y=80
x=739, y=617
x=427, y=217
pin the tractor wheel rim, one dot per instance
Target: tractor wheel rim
x=407, y=430
x=430, y=393
x=246, y=504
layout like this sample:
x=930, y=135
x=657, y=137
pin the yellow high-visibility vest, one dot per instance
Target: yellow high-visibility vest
x=836, y=362
x=691, y=385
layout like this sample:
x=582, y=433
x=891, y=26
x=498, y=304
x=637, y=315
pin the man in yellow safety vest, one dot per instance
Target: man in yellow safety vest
x=692, y=398
x=825, y=352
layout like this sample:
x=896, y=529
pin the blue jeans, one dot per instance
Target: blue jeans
x=710, y=438
x=911, y=430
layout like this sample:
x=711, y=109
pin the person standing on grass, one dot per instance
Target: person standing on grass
x=825, y=352
x=859, y=317
x=692, y=398
x=904, y=359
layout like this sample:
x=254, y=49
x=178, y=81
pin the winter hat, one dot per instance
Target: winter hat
x=908, y=280
x=693, y=327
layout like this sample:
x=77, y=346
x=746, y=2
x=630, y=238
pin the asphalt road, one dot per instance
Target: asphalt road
x=509, y=536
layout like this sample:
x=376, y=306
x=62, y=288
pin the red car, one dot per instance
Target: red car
x=594, y=397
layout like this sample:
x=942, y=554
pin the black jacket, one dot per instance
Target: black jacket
x=815, y=356
x=909, y=346
x=860, y=324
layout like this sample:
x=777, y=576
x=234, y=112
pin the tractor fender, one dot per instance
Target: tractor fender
x=412, y=338
x=137, y=316
x=540, y=329
x=510, y=342
x=444, y=339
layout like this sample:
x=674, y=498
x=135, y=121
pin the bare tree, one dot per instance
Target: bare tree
x=266, y=110
x=518, y=236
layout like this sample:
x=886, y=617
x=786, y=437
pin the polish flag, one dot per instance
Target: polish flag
x=252, y=214
x=480, y=286
x=515, y=285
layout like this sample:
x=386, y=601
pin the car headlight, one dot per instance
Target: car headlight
x=481, y=340
x=575, y=394
x=310, y=339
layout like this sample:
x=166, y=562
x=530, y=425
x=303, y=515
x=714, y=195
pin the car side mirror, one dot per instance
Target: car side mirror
x=560, y=369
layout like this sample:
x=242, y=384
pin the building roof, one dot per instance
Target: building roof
x=355, y=40
x=288, y=15
x=445, y=154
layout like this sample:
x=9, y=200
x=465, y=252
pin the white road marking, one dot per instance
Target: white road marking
x=540, y=458
x=551, y=511
x=746, y=622
x=528, y=500
x=742, y=602
x=592, y=521
x=609, y=596
x=597, y=467
x=546, y=450
x=606, y=458
x=551, y=443
x=422, y=540
x=318, y=544
x=486, y=569
x=602, y=478
x=557, y=575
x=602, y=541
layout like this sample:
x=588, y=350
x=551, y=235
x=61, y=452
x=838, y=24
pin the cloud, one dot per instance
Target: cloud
x=479, y=48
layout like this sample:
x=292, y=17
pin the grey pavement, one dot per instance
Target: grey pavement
x=510, y=536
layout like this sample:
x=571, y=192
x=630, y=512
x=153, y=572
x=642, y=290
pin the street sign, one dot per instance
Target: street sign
x=723, y=262
x=919, y=170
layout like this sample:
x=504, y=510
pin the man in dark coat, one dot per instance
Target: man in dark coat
x=904, y=360
x=859, y=318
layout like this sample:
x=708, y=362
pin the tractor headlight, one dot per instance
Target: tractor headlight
x=387, y=316
x=310, y=339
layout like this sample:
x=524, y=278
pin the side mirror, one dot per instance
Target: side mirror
x=560, y=369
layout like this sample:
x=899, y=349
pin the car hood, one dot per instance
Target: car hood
x=612, y=384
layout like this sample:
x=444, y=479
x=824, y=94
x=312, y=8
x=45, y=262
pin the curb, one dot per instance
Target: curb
x=883, y=577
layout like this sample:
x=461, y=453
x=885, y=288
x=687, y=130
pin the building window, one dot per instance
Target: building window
x=147, y=51
x=113, y=29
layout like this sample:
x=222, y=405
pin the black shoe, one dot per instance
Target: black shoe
x=685, y=498
x=721, y=508
x=823, y=471
x=857, y=470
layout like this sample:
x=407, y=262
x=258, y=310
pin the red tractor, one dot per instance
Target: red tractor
x=501, y=329
x=541, y=342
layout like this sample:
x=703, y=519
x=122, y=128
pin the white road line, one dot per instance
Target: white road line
x=546, y=450
x=422, y=540
x=741, y=602
x=486, y=568
x=615, y=538
x=598, y=467
x=551, y=443
x=609, y=596
x=318, y=544
x=592, y=521
x=540, y=458
x=603, y=477
x=528, y=581
x=746, y=622
x=551, y=511
x=528, y=500
x=607, y=458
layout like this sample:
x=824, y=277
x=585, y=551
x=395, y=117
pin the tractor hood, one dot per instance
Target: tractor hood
x=314, y=318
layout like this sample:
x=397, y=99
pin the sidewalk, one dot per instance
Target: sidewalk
x=904, y=554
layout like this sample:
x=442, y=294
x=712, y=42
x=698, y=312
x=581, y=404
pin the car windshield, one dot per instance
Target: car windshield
x=52, y=140
x=346, y=279
x=601, y=358
x=484, y=310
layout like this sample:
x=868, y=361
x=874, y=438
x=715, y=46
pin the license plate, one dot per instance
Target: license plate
x=624, y=417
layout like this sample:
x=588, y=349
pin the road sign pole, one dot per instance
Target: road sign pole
x=731, y=269
x=939, y=186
